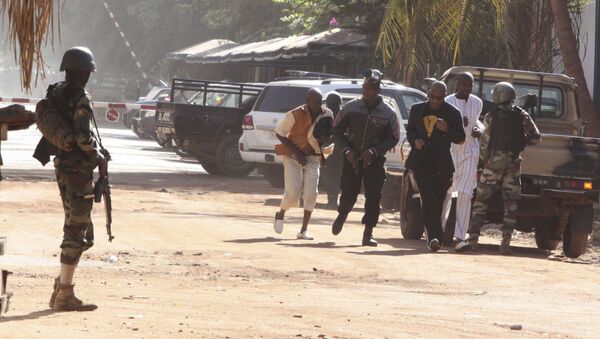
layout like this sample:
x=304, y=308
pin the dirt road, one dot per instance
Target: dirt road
x=196, y=256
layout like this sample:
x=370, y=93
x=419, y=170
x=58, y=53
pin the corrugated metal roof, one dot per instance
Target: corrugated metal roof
x=330, y=41
x=201, y=49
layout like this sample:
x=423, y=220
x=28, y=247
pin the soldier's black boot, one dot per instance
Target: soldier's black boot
x=473, y=240
x=338, y=224
x=505, y=244
x=367, y=239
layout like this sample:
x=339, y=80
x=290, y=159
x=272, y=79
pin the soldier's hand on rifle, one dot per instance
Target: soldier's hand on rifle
x=367, y=157
x=419, y=144
x=102, y=166
x=441, y=125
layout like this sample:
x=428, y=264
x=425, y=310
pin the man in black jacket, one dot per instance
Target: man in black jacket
x=432, y=126
x=364, y=131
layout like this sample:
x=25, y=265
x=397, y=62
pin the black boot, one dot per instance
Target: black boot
x=338, y=224
x=368, y=237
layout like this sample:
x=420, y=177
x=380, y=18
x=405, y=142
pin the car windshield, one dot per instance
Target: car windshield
x=280, y=99
x=392, y=93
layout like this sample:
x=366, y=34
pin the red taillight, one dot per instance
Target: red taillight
x=241, y=147
x=247, y=123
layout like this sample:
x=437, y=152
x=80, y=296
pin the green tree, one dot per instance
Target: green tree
x=416, y=33
x=30, y=24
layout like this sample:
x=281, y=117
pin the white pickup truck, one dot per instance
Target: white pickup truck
x=258, y=138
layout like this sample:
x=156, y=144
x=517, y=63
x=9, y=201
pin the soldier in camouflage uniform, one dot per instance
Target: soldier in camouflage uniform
x=508, y=129
x=74, y=172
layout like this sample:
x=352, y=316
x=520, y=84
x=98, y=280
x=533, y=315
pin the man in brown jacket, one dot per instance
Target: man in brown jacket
x=301, y=155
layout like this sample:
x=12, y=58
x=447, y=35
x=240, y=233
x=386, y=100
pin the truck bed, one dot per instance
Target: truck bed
x=563, y=156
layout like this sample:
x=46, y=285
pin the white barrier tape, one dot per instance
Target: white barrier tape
x=98, y=104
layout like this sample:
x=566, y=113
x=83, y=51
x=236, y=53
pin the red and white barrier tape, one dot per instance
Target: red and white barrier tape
x=97, y=104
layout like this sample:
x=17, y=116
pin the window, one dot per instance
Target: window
x=280, y=99
x=552, y=98
x=411, y=99
x=398, y=96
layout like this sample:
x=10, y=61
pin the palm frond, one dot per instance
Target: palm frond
x=30, y=26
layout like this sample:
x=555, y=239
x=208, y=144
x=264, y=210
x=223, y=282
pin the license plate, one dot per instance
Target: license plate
x=269, y=158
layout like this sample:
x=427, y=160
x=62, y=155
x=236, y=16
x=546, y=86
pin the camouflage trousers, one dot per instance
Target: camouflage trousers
x=502, y=172
x=78, y=230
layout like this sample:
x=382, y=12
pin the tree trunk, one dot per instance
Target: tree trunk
x=572, y=62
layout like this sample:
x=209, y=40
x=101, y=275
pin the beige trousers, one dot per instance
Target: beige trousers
x=300, y=181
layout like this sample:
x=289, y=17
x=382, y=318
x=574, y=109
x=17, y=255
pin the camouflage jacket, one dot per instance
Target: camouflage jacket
x=532, y=134
x=75, y=106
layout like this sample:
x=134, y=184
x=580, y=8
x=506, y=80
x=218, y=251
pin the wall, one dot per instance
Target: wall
x=587, y=41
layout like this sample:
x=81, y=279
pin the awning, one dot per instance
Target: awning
x=203, y=48
x=329, y=43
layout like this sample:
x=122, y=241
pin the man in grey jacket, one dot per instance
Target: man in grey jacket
x=364, y=131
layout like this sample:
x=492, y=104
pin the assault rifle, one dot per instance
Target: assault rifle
x=102, y=189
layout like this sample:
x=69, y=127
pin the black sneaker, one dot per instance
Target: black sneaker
x=434, y=245
x=338, y=224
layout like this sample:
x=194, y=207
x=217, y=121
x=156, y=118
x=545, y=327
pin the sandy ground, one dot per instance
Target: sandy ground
x=199, y=258
x=195, y=256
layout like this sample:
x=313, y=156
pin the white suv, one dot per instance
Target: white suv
x=258, y=138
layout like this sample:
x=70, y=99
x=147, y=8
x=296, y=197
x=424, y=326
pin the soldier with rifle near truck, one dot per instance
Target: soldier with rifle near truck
x=508, y=129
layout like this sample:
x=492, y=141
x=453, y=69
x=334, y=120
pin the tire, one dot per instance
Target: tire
x=210, y=167
x=275, y=178
x=543, y=235
x=134, y=128
x=411, y=222
x=229, y=160
x=574, y=244
x=161, y=141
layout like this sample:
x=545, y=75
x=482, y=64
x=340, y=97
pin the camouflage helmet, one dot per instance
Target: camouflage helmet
x=503, y=93
x=79, y=59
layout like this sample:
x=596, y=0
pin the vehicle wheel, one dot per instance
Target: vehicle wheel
x=135, y=129
x=543, y=236
x=162, y=142
x=127, y=118
x=275, y=178
x=229, y=160
x=574, y=244
x=411, y=222
x=210, y=167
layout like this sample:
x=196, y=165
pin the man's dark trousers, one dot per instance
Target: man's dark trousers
x=373, y=177
x=433, y=187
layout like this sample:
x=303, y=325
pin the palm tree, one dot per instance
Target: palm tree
x=416, y=32
x=572, y=63
x=30, y=26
